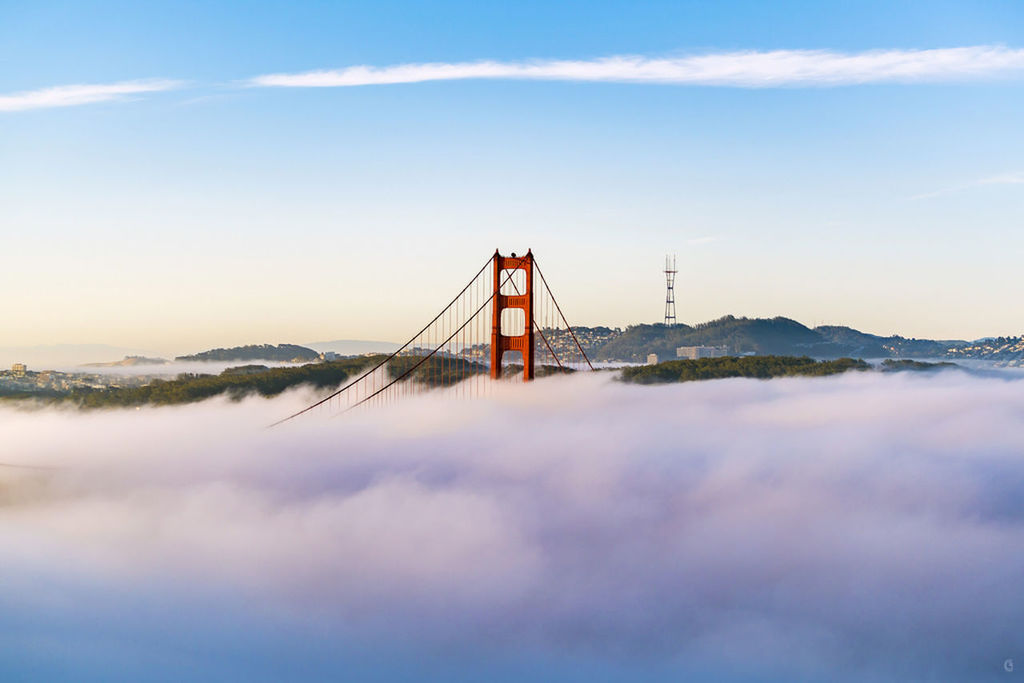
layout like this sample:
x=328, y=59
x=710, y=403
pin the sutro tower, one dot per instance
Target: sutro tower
x=670, y=290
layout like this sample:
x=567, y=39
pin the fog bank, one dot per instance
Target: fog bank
x=861, y=527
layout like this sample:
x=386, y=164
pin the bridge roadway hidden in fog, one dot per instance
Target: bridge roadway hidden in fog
x=451, y=348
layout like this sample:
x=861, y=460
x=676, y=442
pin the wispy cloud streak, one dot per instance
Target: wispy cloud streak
x=1012, y=178
x=1004, y=179
x=747, y=69
x=74, y=95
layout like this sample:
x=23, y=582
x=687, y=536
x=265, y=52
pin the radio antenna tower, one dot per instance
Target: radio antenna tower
x=670, y=290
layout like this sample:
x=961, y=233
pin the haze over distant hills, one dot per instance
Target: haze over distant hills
x=353, y=347
x=45, y=356
x=128, y=361
x=65, y=355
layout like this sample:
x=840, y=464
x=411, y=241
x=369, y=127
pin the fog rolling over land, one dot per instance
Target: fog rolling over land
x=866, y=526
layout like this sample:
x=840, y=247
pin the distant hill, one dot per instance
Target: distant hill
x=128, y=361
x=766, y=336
x=281, y=353
x=873, y=346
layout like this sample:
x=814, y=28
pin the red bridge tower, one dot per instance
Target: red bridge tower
x=504, y=272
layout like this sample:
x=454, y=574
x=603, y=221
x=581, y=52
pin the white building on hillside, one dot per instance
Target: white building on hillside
x=695, y=352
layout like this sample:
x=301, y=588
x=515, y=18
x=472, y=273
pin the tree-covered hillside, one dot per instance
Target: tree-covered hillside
x=759, y=367
x=281, y=352
x=738, y=335
x=873, y=346
x=233, y=382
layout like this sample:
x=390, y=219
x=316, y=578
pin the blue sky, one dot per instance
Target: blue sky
x=213, y=211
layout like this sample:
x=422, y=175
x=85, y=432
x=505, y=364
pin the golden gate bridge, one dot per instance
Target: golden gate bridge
x=500, y=326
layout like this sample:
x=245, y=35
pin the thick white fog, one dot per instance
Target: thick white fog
x=863, y=527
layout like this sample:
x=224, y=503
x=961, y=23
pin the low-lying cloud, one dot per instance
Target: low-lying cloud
x=864, y=527
x=746, y=69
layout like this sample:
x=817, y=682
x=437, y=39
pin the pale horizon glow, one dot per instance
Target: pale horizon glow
x=743, y=69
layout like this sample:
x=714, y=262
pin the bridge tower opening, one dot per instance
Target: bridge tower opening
x=505, y=334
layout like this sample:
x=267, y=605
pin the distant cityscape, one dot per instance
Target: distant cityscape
x=1011, y=348
x=19, y=379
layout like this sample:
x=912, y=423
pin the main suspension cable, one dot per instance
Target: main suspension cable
x=567, y=325
x=389, y=358
x=436, y=349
